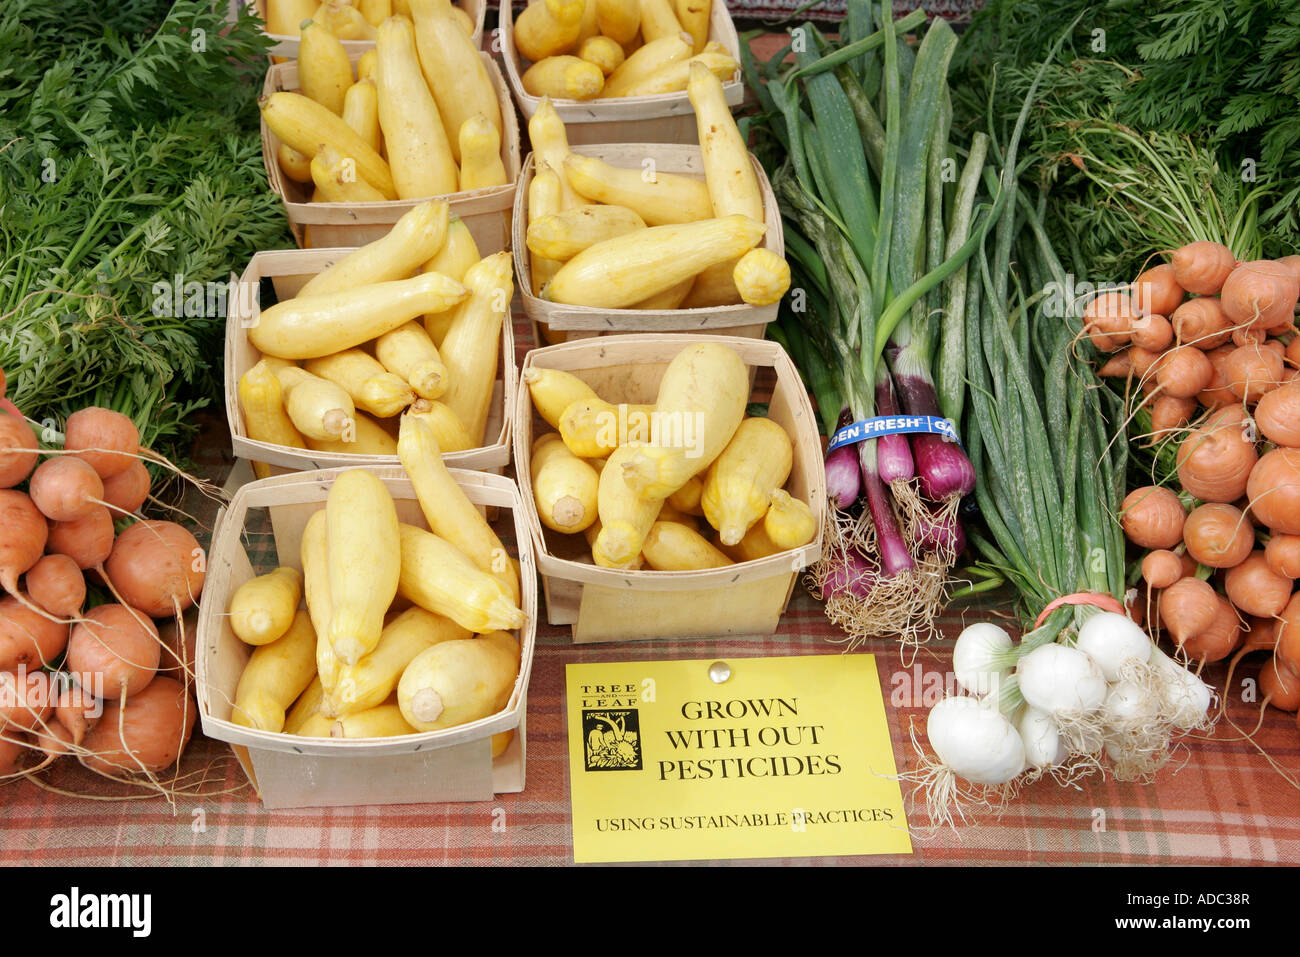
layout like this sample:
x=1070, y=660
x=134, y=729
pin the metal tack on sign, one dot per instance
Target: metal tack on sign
x=719, y=672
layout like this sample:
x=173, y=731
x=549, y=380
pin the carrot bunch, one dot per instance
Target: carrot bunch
x=91, y=683
x=1210, y=346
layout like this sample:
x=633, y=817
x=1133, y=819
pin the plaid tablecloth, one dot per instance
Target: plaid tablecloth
x=1220, y=801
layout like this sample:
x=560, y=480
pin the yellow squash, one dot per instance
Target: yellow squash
x=453, y=70
x=564, y=486
x=739, y=485
x=602, y=51
x=620, y=272
x=563, y=235
x=446, y=507
x=364, y=561
x=545, y=198
x=553, y=391
x=593, y=428
x=416, y=236
x=762, y=277
x=337, y=180
x=646, y=61
x=318, y=408
x=361, y=111
x=283, y=17
x=375, y=11
x=312, y=326
x=687, y=498
x=548, y=28
x=314, y=555
x=480, y=155
x=345, y=21
x=625, y=514
x=419, y=151
x=275, y=675
x=457, y=682
x=620, y=20
x=658, y=19
x=385, y=721
x=367, y=438
x=551, y=145
x=296, y=166
x=658, y=198
x=675, y=547
x=563, y=78
x=371, y=386
x=437, y=576
x=694, y=18
x=673, y=77
x=262, y=609
x=789, y=523
x=324, y=71
x=261, y=398
x=704, y=391
x=473, y=342
x=458, y=253
x=409, y=353
x=448, y=430
x=670, y=298
x=307, y=706
x=307, y=126
x=369, y=682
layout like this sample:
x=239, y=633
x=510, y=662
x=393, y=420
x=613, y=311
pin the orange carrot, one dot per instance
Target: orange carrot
x=1201, y=323
x=1201, y=267
x=1254, y=587
x=1152, y=517
x=1188, y=607
x=1278, y=415
x=1215, y=460
x=1261, y=293
x=17, y=450
x=1161, y=568
x=1156, y=291
x=1283, y=555
x=1274, y=490
x=1218, y=535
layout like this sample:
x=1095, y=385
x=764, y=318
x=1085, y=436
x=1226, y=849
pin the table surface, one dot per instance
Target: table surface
x=1220, y=801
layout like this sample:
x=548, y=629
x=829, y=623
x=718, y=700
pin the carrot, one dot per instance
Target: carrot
x=1141, y=359
x=1201, y=267
x=1217, y=394
x=1278, y=415
x=1119, y=366
x=11, y=752
x=1280, y=684
x=157, y=567
x=1170, y=413
x=18, y=450
x=1218, y=536
x=1220, y=639
x=25, y=700
x=1292, y=263
x=108, y=441
x=1255, y=588
x=1201, y=323
x=1293, y=353
x=115, y=651
x=1108, y=319
x=1274, y=490
x=65, y=488
x=145, y=735
x=1152, y=517
x=1188, y=607
x=1161, y=568
x=1288, y=634
x=1251, y=371
x=1261, y=635
x=1283, y=555
x=128, y=489
x=57, y=585
x=87, y=541
x=23, y=534
x=1156, y=291
x=1261, y=293
x=28, y=639
x=1215, y=460
x=1183, y=371
x=1153, y=332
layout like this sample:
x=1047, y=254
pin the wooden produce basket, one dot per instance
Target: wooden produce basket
x=454, y=764
x=584, y=322
x=287, y=271
x=605, y=604
x=486, y=212
x=662, y=118
x=287, y=46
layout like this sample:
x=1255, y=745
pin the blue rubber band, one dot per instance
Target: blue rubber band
x=883, y=425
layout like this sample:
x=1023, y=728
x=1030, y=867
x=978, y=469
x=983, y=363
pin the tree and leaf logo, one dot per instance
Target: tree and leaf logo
x=612, y=739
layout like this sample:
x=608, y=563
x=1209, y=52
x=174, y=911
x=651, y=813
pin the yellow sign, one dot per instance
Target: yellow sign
x=732, y=759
